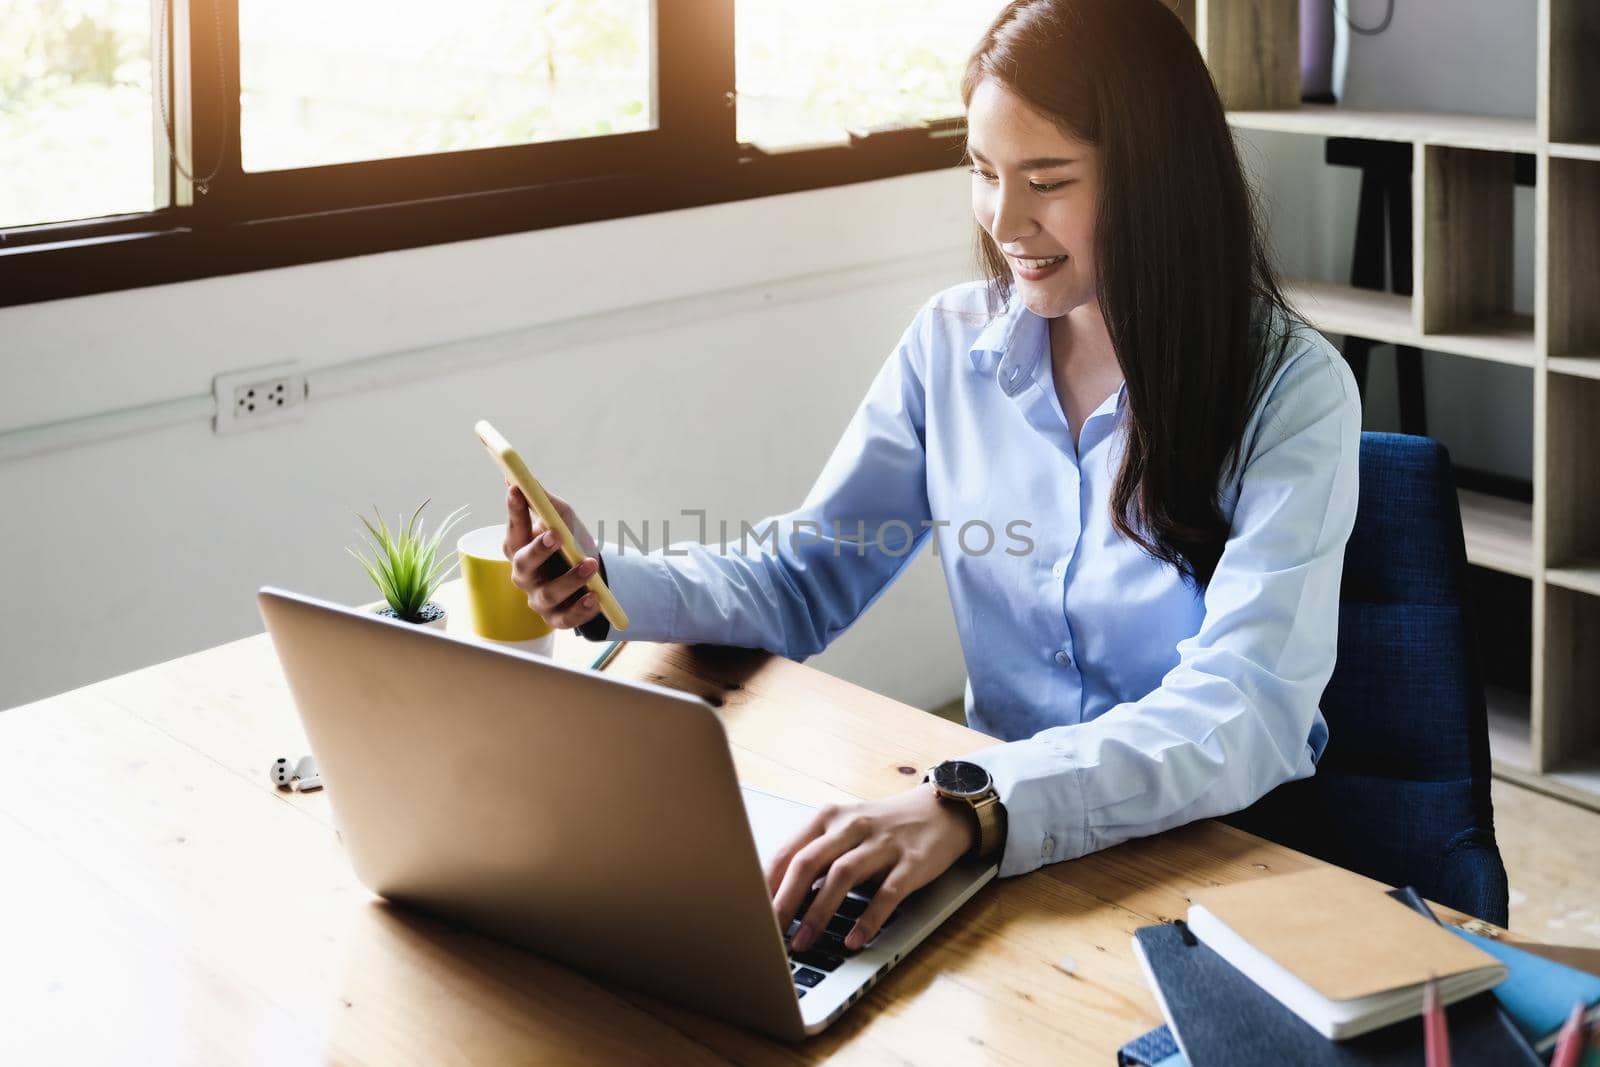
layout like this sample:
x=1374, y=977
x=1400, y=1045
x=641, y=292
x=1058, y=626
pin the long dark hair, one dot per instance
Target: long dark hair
x=1186, y=286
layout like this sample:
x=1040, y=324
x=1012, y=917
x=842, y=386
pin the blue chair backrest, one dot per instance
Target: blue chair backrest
x=1401, y=793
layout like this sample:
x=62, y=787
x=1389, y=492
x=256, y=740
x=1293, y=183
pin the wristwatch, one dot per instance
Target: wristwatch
x=968, y=784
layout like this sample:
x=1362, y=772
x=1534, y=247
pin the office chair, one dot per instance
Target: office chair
x=1401, y=793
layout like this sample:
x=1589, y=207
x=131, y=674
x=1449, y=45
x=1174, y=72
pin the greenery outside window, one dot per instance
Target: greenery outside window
x=306, y=131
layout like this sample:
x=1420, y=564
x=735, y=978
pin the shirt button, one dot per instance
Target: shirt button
x=1059, y=570
x=1048, y=849
x=1064, y=658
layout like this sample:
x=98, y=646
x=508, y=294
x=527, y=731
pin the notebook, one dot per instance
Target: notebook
x=1529, y=999
x=1158, y=1048
x=1220, y=1018
x=1540, y=993
x=1336, y=951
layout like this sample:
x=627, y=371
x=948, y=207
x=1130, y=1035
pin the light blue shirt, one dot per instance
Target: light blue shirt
x=1129, y=701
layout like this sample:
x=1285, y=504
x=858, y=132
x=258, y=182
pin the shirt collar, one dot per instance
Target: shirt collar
x=1112, y=404
x=1010, y=345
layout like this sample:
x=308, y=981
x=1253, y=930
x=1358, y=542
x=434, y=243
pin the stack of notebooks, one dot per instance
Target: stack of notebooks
x=1324, y=967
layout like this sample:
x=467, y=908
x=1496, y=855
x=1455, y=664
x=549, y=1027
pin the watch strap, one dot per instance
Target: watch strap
x=991, y=826
x=597, y=628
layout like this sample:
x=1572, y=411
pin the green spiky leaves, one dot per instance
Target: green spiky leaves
x=405, y=563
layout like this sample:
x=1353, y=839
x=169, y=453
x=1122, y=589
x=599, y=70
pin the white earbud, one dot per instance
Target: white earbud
x=282, y=772
x=306, y=772
x=295, y=774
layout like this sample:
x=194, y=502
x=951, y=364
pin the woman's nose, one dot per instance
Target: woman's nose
x=1012, y=219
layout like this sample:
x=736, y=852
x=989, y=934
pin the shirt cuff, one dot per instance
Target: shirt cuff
x=643, y=586
x=1042, y=790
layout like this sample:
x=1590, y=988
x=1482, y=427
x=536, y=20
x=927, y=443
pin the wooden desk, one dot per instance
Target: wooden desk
x=161, y=902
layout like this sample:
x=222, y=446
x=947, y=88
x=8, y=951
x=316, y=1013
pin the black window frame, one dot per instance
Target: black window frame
x=260, y=220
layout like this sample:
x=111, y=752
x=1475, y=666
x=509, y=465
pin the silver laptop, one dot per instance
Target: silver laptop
x=592, y=819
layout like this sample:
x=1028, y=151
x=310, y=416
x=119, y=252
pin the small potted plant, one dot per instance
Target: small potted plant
x=406, y=566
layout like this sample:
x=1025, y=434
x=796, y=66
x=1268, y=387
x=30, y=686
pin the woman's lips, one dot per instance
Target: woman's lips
x=1035, y=269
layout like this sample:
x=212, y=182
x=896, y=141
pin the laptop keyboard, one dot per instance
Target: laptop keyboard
x=828, y=951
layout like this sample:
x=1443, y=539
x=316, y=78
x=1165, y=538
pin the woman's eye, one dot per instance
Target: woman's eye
x=1049, y=187
x=985, y=175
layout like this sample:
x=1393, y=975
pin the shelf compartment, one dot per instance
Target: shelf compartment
x=1498, y=532
x=1568, y=737
x=1573, y=27
x=1388, y=317
x=1576, y=151
x=1578, y=784
x=1573, y=292
x=1345, y=309
x=1580, y=576
x=1446, y=130
x=1466, y=244
x=1252, y=48
x=1572, y=458
x=1577, y=781
x=1510, y=729
x=1505, y=337
x=1577, y=366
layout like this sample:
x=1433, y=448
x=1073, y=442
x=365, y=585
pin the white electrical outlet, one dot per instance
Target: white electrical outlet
x=259, y=397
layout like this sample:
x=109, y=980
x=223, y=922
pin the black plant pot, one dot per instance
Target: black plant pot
x=432, y=615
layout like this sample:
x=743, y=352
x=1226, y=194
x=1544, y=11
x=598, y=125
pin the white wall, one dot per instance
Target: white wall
x=697, y=359
x=705, y=358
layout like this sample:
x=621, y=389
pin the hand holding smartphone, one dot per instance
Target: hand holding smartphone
x=569, y=553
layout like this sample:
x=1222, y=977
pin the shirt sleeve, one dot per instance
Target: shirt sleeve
x=791, y=583
x=1238, y=714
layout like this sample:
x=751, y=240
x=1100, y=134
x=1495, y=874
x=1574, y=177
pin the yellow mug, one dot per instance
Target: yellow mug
x=496, y=608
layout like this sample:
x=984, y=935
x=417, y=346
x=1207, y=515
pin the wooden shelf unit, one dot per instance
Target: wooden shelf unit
x=1450, y=131
x=1573, y=206
x=1570, y=64
x=1390, y=318
x=1575, y=151
x=1462, y=188
x=1577, y=366
x=1498, y=532
x=1463, y=240
x=1581, y=576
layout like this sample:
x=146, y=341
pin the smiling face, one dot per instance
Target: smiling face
x=1035, y=192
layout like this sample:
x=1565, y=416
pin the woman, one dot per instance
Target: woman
x=1163, y=457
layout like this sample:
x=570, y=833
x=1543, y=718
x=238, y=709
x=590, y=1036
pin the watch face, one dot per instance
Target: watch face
x=961, y=777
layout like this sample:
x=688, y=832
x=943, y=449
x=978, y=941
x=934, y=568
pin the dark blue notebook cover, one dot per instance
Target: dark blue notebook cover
x=1221, y=1018
x=1157, y=1048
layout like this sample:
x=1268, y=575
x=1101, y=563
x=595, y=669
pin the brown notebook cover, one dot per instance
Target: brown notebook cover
x=1339, y=933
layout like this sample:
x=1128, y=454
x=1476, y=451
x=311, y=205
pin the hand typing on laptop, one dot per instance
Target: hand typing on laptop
x=902, y=842
x=536, y=879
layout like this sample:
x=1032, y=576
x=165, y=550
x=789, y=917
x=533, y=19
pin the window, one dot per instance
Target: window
x=361, y=126
x=811, y=72
x=76, y=112
x=374, y=79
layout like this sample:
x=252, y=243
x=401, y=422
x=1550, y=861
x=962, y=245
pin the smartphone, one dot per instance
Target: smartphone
x=569, y=555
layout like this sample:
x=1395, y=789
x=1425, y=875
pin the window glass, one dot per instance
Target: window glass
x=335, y=82
x=809, y=72
x=77, y=119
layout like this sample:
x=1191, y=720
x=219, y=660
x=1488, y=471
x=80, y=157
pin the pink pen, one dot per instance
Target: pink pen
x=1435, y=1032
x=1569, y=1046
